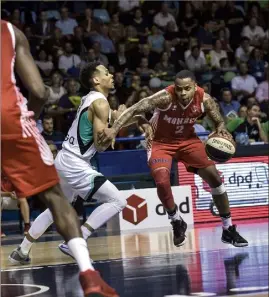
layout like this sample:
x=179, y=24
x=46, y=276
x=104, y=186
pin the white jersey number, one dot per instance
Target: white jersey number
x=179, y=129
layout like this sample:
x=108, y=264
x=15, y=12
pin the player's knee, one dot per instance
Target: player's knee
x=161, y=177
x=218, y=190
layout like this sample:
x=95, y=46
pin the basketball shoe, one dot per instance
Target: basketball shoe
x=18, y=258
x=63, y=247
x=231, y=236
x=179, y=229
x=94, y=286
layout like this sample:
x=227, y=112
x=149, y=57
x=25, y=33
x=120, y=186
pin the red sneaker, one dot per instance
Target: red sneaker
x=94, y=286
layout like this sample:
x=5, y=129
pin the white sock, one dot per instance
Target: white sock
x=226, y=222
x=175, y=216
x=101, y=215
x=39, y=226
x=80, y=252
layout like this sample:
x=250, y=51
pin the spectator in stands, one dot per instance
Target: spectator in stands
x=87, y=22
x=156, y=40
x=252, y=125
x=265, y=49
x=140, y=23
x=229, y=107
x=204, y=35
x=44, y=63
x=254, y=10
x=211, y=15
x=127, y=5
x=243, y=85
x=164, y=68
x=33, y=42
x=107, y=45
x=98, y=55
x=257, y=65
x=121, y=61
x=217, y=54
x=55, y=44
x=131, y=39
x=15, y=19
x=223, y=36
x=56, y=90
x=226, y=66
x=53, y=148
x=163, y=17
x=262, y=91
x=189, y=22
x=194, y=62
x=68, y=105
x=113, y=102
x=66, y=24
x=243, y=52
x=44, y=27
x=79, y=42
x=69, y=62
x=143, y=70
x=88, y=57
x=116, y=29
x=254, y=32
x=232, y=124
x=48, y=130
x=193, y=42
x=234, y=19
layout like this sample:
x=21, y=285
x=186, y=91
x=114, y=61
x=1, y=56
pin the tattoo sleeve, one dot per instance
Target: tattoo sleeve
x=161, y=99
x=212, y=110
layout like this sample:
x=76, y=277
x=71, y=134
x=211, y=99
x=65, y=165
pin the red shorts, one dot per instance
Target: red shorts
x=190, y=152
x=28, y=164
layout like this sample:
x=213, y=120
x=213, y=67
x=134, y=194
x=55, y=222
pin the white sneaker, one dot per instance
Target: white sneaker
x=63, y=247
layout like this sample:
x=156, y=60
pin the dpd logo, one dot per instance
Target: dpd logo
x=136, y=210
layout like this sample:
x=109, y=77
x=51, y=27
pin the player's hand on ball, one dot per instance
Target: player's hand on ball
x=222, y=131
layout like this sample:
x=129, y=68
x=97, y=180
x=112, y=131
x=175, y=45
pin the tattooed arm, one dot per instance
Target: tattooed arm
x=213, y=112
x=161, y=99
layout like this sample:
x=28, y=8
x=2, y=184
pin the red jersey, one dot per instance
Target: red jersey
x=13, y=103
x=177, y=121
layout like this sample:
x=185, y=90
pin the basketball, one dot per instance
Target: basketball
x=219, y=148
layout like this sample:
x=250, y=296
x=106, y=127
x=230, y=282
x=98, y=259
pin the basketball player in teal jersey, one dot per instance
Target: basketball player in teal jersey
x=175, y=111
x=73, y=163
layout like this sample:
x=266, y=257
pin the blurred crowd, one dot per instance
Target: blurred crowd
x=144, y=44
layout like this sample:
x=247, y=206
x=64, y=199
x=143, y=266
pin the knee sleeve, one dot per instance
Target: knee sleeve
x=108, y=193
x=162, y=179
x=218, y=190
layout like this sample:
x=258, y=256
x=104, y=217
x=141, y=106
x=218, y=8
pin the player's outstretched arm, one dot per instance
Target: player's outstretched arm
x=161, y=99
x=100, y=113
x=29, y=73
x=212, y=110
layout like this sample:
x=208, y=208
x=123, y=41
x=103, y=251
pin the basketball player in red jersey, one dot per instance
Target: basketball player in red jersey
x=26, y=159
x=175, y=111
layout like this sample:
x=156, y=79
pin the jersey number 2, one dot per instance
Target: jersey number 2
x=179, y=129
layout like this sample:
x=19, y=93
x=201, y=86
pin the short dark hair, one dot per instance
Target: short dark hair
x=249, y=107
x=86, y=74
x=186, y=74
x=224, y=90
x=47, y=117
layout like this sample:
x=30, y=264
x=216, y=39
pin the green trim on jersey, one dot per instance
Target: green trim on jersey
x=85, y=128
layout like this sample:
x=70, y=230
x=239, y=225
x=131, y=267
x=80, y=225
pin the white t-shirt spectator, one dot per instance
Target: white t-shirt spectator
x=128, y=5
x=257, y=32
x=67, y=26
x=242, y=55
x=44, y=65
x=162, y=20
x=195, y=64
x=216, y=57
x=262, y=92
x=66, y=62
x=247, y=83
x=187, y=53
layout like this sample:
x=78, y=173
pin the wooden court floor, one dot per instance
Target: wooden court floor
x=147, y=264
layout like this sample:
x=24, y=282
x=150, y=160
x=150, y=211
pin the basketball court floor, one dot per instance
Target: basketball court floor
x=147, y=264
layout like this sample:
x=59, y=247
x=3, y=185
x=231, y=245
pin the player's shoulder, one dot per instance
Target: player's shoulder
x=94, y=95
x=170, y=89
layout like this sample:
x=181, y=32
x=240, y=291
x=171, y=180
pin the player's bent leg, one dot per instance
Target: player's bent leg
x=161, y=177
x=220, y=197
x=67, y=225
